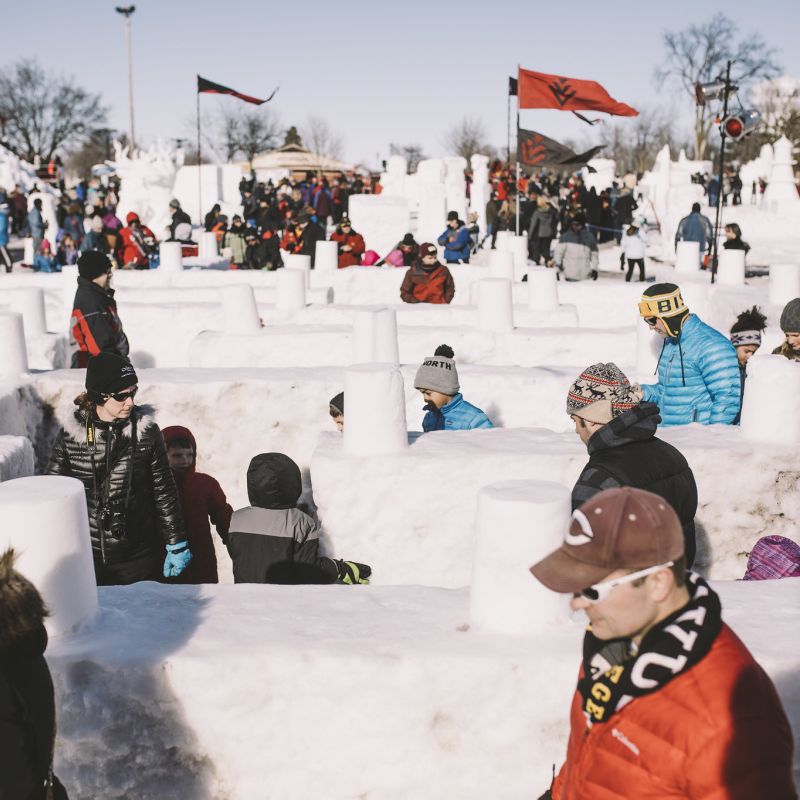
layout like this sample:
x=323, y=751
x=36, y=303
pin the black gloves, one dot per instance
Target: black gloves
x=351, y=572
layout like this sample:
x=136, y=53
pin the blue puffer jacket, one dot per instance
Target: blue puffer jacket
x=4, y=226
x=457, y=415
x=459, y=248
x=708, y=390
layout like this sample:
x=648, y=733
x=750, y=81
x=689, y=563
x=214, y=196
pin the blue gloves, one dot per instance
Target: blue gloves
x=178, y=557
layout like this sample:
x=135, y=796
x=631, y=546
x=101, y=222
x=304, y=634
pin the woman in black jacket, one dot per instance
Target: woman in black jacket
x=116, y=450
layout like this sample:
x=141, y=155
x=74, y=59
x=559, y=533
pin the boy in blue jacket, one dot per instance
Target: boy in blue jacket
x=456, y=240
x=437, y=380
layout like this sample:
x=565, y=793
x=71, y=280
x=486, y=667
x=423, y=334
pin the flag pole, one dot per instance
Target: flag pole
x=508, y=137
x=199, y=164
x=517, y=157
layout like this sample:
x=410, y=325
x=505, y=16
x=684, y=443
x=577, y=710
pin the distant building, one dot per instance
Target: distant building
x=292, y=160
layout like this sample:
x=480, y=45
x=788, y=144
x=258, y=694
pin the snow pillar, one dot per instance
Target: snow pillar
x=503, y=240
x=207, y=247
x=648, y=349
x=495, y=308
x=687, y=257
x=784, y=283
x=518, y=245
x=13, y=355
x=518, y=524
x=298, y=261
x=375, y=420
x=170, y=258
x=69, y=285
x=30, y=303
x=542, y=289
x=290, y=285
x=501, y=264
x=327, y=257
x=45, y=520
x=28, y=255
x=730, y=271
x=771, y=408
x=375, y=336
x=239, y=309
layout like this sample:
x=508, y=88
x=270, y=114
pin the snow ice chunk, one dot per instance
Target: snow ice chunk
x=239, y=309
x=495, y=308
x=16, y=457
x=207, y=247
x=784, y=283
x=687, y=257
x=13, y=353
x=518, y=524
x=501, y=265
x=730, y=271
x=30, y=303
x=170, y=259
x=382, y=221
x=771, y=408
x=326, y=257
x=542, y=289
x=375, y=336
x=291, y=289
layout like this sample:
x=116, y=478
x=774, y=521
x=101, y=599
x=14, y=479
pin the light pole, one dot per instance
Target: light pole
x=126, y=12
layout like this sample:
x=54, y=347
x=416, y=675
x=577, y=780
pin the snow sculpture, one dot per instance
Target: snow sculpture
x=687, y=257
x=382, y=221
x=455, y=185
x=771, y=408
x=753, y=171
x=431, y=170
x=603, y=177
x=239, y=309
x=46, y=521
x=479, y=189
x=376, y=410
x=375, y=336
x=13, y=354
x=29, y=302
x=300, y=262
x=501, y=264
x=432, y=211
x=48, y=214
x=518, y=523
x=781, y=192
x=326, y=257
x=730, y=270
x=542, y=289
x=146, y=186
x=290, y=286
x=784, y=283
x=170, y=257
x=495, y=307
x=207, y=248
x=393, y=181
x=16, y=172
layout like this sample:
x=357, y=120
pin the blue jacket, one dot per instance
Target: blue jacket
x=707, y=389
x=459, y=249
x=4, y=227
x=42, y=263
x=36, y=223
x=695, y=228
x=457, y=415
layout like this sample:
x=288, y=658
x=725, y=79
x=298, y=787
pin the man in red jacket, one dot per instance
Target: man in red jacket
x=669, y=703
x=428, y=281
x=136, y=241
x=201, y=499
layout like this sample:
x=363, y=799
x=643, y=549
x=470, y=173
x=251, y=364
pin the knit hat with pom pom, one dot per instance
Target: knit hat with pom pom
x=438, y=372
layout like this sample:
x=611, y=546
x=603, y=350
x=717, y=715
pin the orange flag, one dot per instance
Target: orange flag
x=539, y=90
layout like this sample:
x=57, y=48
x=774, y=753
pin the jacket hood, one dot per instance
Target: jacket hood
x=273, y=481
x=638, y=424
x=73, y=420
x=173, y=433
x=22, y=610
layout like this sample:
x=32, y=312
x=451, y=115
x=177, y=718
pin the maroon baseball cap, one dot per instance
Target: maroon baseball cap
x=616, y=529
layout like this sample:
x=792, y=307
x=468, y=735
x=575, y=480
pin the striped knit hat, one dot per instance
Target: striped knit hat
x=747, y=328
x=600, y=393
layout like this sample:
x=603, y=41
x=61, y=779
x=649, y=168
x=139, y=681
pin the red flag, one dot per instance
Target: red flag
x=538, y=90
x=204, y=85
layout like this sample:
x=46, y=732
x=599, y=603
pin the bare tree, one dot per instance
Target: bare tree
x=42, y=112
x=466, y=138
x=320, y=139
x=699, y=53
x=97, y=148
x=412, y=153
x=226, y=134
x=258, y=131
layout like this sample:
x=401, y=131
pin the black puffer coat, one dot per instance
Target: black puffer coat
x=626, y=452
x=144, y=497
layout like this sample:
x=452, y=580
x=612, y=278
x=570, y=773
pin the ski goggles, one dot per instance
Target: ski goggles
x=600, y=591
x=121, y=397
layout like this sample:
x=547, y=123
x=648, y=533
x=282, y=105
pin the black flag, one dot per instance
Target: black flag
x=512, y=87
x=536, y=150
x=204, y=85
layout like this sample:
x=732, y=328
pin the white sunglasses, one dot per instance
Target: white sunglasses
x=600, y=591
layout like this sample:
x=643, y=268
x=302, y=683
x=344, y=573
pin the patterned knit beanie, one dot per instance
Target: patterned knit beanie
x=747, y=328
x=600, y=393
x=664, y=300
x=438, y=372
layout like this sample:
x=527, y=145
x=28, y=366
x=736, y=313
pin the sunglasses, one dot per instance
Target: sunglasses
x=121, y=397
x=651, y=321
x=600, y=591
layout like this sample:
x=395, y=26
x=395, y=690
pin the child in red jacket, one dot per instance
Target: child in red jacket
x=202, y=499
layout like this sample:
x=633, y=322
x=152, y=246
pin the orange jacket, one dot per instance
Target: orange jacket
x=715, y=732
x=352, y=258
x=435, y=287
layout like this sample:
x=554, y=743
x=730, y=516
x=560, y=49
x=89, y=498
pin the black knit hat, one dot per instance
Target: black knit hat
x=337, y=404
x=408, y=240
x=452, y=215
x=107, y=373
x=92, y=264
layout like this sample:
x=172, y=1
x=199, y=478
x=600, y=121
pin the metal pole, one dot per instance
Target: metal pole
x=199, y=164
x=714, y=243
x=516, y=182
x=508, y=141
x=130, y=80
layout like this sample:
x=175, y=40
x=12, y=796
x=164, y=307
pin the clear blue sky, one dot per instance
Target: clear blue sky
x=377, y=72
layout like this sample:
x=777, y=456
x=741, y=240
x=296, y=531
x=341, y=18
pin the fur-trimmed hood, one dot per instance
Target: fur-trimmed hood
x=22, y=609
x=73, y=420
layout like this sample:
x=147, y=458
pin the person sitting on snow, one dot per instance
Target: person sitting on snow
x=273, y=541
x=619, y=432
x=134, y=248
x=336, y=410
x=698, y=373
x=447, y=410
x=428, y=281
x=202, y=499
x=746, y=338
x=350, y=244
x=456, y=240
x=44, y=260
x=790, y=325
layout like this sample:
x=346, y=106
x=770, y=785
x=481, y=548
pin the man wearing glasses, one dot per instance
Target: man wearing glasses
x=669, y=702
x=698, y=372
x=116, y=450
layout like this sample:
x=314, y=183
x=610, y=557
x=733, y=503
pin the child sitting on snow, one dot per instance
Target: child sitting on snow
x=44, y=260
x=336, y=409
x=273, y=541
x=427, y=281
x=202, y=499
x=437, y=379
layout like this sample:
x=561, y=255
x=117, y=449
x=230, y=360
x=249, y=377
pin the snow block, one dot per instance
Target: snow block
x=170, y=258
x=730, y=270
x=771, y=408
x=301, y=262
x=45, y=520
x=382, y=221
x=291, y=289
x=784, y=283
x=518, y=246
x=69, y=285
x=432, y=212
x=495, y=307
x=239, y=309
x=687, y=257
x=503, y=240
x=518, y=524
x=327, y=257
x=28, y=253
x=542, y=289
x=207, y=246
x=501, y=264
x=375, y=336
x=16, y=457
x=30, y=303
x=375, y=420
x=13, y=353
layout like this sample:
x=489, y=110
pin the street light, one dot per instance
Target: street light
x=126, y=11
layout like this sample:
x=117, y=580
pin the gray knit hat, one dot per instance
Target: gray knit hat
x=790, y=317
x=438, y=372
